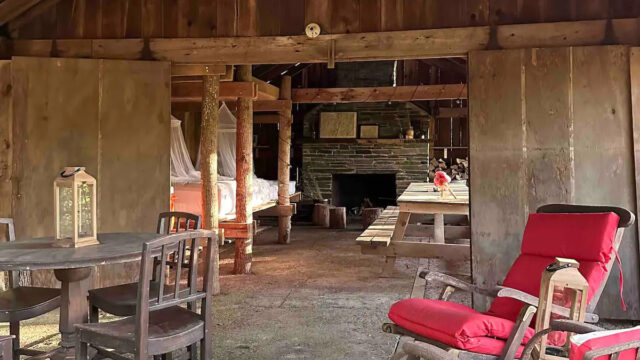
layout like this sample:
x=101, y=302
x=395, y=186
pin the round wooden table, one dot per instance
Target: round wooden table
x=72, y=266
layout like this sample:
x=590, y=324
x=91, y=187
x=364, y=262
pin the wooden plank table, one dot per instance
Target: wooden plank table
x=424, y=198
x=72, y=266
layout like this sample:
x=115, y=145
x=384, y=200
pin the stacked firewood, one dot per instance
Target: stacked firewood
x=457, y=171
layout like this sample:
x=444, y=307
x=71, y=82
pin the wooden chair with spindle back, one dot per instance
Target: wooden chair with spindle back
x=19, y=303
x=120, y=300
x=160, y=324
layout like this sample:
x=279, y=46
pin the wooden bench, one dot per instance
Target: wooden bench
x=380, y=232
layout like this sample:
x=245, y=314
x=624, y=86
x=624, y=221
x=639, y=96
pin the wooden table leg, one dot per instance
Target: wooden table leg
x=73, y=308
x=438, y=228
x=398, y=235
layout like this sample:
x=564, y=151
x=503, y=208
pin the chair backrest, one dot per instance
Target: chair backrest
x=626, y=219
x=14, y=276
x=176, y=221
x=589, y=234
x=160, y=250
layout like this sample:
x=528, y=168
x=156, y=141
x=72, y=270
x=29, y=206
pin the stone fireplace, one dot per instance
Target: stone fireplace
x=392, y=163
x=355, y=190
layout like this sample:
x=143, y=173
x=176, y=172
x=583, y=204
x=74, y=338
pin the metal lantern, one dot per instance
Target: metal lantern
x=75, y=208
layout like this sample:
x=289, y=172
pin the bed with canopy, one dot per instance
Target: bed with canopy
x=186, y=180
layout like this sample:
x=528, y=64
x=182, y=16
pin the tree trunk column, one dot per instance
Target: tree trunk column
x=244, y=175
x=209, y=162
x=284, y=163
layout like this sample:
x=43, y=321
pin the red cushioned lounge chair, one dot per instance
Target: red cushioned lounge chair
x=446, y=330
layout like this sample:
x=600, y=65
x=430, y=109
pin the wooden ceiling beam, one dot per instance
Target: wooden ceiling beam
x=11, y=9
x=266, y=91
x=191, y=90
x=453, y=112
x=380, y=94
x=279, y=106
x=197, y=69
x=414, y=44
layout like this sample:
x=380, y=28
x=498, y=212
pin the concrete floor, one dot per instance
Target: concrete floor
x=316, y=298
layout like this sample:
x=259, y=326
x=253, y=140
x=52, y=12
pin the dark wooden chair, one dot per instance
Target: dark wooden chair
x=120, y=300
x=7, y=347
x=20, y=303
x=160, y=324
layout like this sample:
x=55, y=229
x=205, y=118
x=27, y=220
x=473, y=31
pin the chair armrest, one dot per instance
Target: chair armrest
x=459, y=284
x=573, y=326
x=532, y=300
x=423, y=351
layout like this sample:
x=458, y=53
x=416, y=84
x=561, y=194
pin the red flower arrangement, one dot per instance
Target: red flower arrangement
x=441, y=180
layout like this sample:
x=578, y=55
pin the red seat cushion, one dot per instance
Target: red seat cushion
x=454, y=324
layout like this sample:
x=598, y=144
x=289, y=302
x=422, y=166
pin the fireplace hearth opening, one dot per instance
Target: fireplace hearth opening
x=355, y=191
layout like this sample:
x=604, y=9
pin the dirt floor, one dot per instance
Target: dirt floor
x=316, y=298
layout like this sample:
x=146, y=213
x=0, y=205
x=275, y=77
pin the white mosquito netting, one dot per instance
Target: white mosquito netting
x=183, y=171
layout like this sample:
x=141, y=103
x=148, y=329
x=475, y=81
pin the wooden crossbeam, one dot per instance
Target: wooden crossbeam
x=455, y=112
x=279, y=106
x=266, y=91
x=197, y=69
x=190, y=91
x=413, y=44
x=266, y=118
x=380, y=94
x=11, y=9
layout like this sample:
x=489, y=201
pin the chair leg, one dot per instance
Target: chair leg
x=193, y=351
x=7, y=350
x=205, y=348
x=81, y=348
x=94, y=314
x=14, y=329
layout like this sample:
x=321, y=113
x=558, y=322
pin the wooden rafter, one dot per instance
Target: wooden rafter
x=30, y=14
x=11, y=9
x=380, y=94
x=414, y=44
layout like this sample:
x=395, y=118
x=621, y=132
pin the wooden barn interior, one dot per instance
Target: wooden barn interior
x=309, y=138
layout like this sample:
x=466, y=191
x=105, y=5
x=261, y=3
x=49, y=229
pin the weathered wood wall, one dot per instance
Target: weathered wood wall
x=549, y=125
x=6, y=140
x=111, y=117
x=211, y=18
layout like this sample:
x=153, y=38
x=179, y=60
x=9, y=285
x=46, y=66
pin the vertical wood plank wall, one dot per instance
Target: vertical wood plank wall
x=211, y=18
x=549, y=125
x=6, y=141
x=111, y=117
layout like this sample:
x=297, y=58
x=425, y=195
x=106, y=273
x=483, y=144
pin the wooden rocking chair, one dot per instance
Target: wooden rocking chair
x=446, y=330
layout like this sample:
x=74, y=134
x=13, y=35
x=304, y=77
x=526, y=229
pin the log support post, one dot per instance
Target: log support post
x=209, y=160
x=244, y=175
x=284, y=162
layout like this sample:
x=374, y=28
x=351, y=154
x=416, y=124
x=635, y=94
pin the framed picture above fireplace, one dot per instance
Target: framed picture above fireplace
x=338, y=125
x=368, y=131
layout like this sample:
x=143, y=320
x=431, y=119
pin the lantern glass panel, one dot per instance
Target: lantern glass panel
x=65, y=211
x=85, y=210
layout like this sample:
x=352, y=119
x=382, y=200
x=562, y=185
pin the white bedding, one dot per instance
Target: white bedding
x=188, y=197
